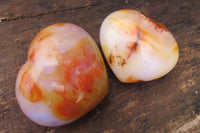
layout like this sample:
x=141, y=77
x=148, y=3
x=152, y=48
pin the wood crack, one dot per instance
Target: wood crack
x=4, y=19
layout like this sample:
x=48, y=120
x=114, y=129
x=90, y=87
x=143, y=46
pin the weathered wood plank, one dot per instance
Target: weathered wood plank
x=169, y=104
x=13, y=9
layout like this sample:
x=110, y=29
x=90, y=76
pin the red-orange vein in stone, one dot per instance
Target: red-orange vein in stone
x=134, y=45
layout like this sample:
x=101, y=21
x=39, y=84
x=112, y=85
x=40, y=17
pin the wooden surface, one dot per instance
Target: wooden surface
x=169, y=104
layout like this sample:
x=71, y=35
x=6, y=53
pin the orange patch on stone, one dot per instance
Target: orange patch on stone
x=131, y=80
x=60, y=24
x=125, y=10
x=31, y=56
x=74, y=92
x=44, y=34
x=86, y=99
x=85, y=80
x=29, y=89
x=176, y=48
x=129, y=29
x=82, y=68
x=68, y=109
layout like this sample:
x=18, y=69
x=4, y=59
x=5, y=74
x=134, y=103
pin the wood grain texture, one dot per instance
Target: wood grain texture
x=169, y=104
x=15, y=9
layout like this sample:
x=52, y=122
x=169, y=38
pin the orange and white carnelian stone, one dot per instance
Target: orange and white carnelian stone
x=63, y=78
x=136, y=47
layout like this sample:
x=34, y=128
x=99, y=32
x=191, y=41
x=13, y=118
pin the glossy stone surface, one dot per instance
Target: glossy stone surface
x=137, y=48
x=63, y=78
